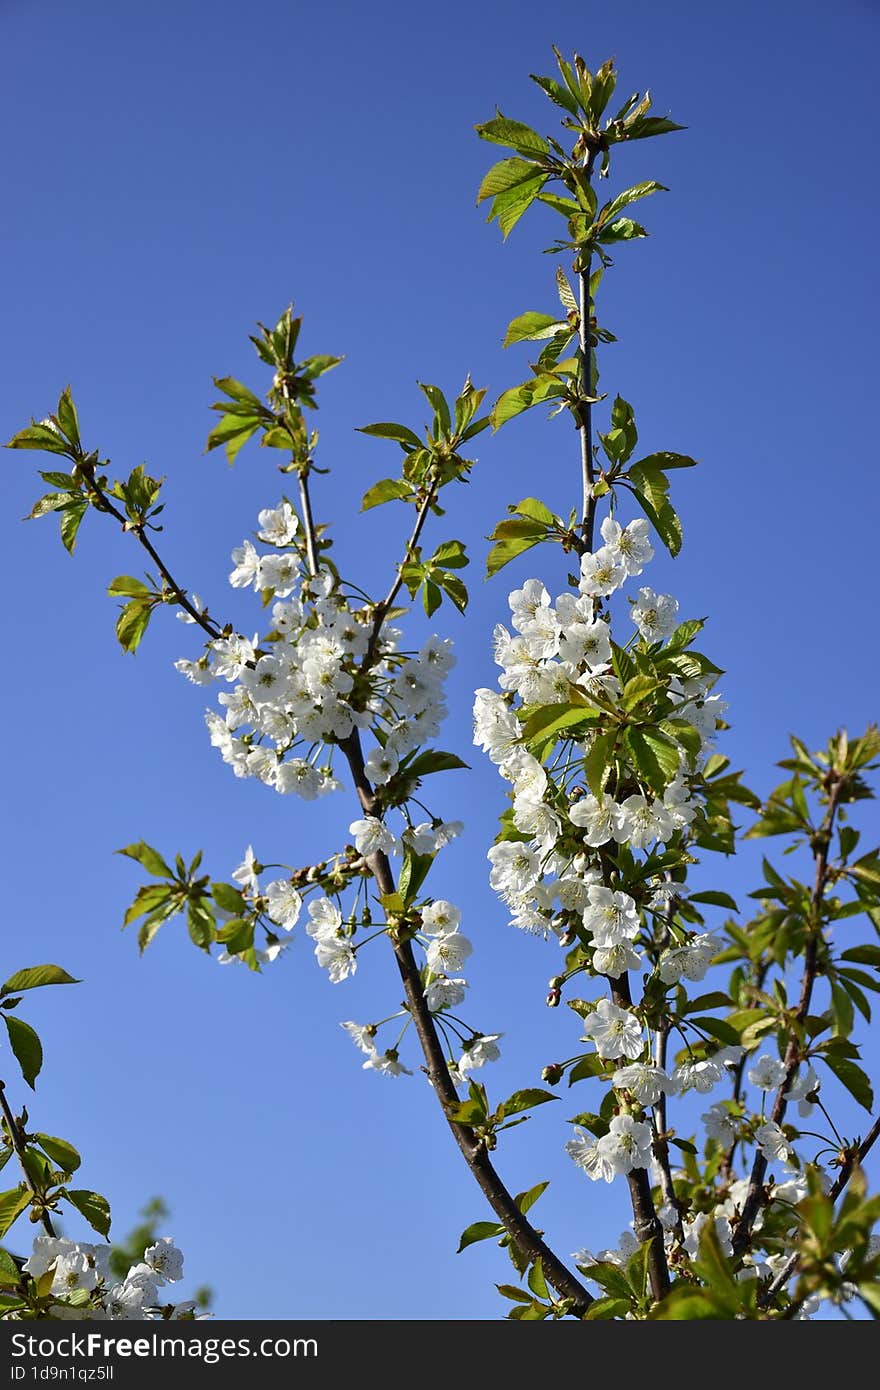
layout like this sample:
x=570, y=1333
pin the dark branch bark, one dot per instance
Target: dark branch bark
x=646, y=1225
x=475, y=1155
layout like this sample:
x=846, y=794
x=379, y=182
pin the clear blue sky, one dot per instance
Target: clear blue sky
x=174, y=172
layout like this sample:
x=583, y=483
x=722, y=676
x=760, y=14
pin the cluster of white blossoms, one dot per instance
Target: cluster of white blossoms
x=446, y=949
x=320, y=673
x=86, y=1289
x=557, y=654
x=549, y=867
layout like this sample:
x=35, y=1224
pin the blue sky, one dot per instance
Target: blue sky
x=179, y=171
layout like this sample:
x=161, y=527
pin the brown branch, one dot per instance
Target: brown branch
x=756, y=1198
x=585, y=385
x=384, y=607
x=308, y=523
x=17, y=1142
x=521, y=1231
x=103, y=503
x=661, y=1143
x=646, y=1225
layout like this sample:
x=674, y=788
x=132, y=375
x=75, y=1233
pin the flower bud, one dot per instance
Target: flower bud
x=553, y=999
x=552, y=1074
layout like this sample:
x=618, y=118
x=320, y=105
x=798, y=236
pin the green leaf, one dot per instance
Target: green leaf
x=655, y=756
x=60, y=1152
x=39, y=436
x=509, y=207
x=867, y=869
x=70, y=520
x=863, y=955
x=646, y=126
x=451, y=555
x=386, y=429
x=233, y=431
x=228, y=898
x=148, y=858
x=133, y=622
x=388, y=490
x=440, y=407
x=852, y=1077
x=532, y=327
x=590, y=1065
x=53, y=502
x=553, y=720
x=126, y=587
x=413, y=873
x=67, y=417
x=433, y=760
x=480, y=1230
x=237, y=935
x=628, y=196
x=598, y=760
x=200, y=922
x=12, y=1204
x=431, y=596
x=150, y=898
x=504, y=175
x=526, y=1200
x=26, y=1046
x=650, y=487
x=10, y=1274
x=512, y=538
x=717, y=1028
x=238, y=392
x=501, y=131
x=556, y=92
x=456, y=590
x=686, y=1304
x=714, y=899
x=35, y=976
x=534, y=509
x=526, y=1100
x=536, y=1281
x=622, y=229
x=513, y=1293
x=94, y=1207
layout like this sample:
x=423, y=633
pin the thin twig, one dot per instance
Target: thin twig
x=105, y=505
x=755, y=1196
x=585, y=384
x=15, y=1138
x=383, y=608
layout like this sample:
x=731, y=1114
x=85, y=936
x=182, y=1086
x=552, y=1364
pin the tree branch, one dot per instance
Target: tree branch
x=384, y=607
x=755, y=1196
x=519, y=1228
x=308, y=523
x=646, y=1225
x=661, y=1143
x=104, y=504
x=521, y=1231
x=17, y=1142
x=585, y=384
